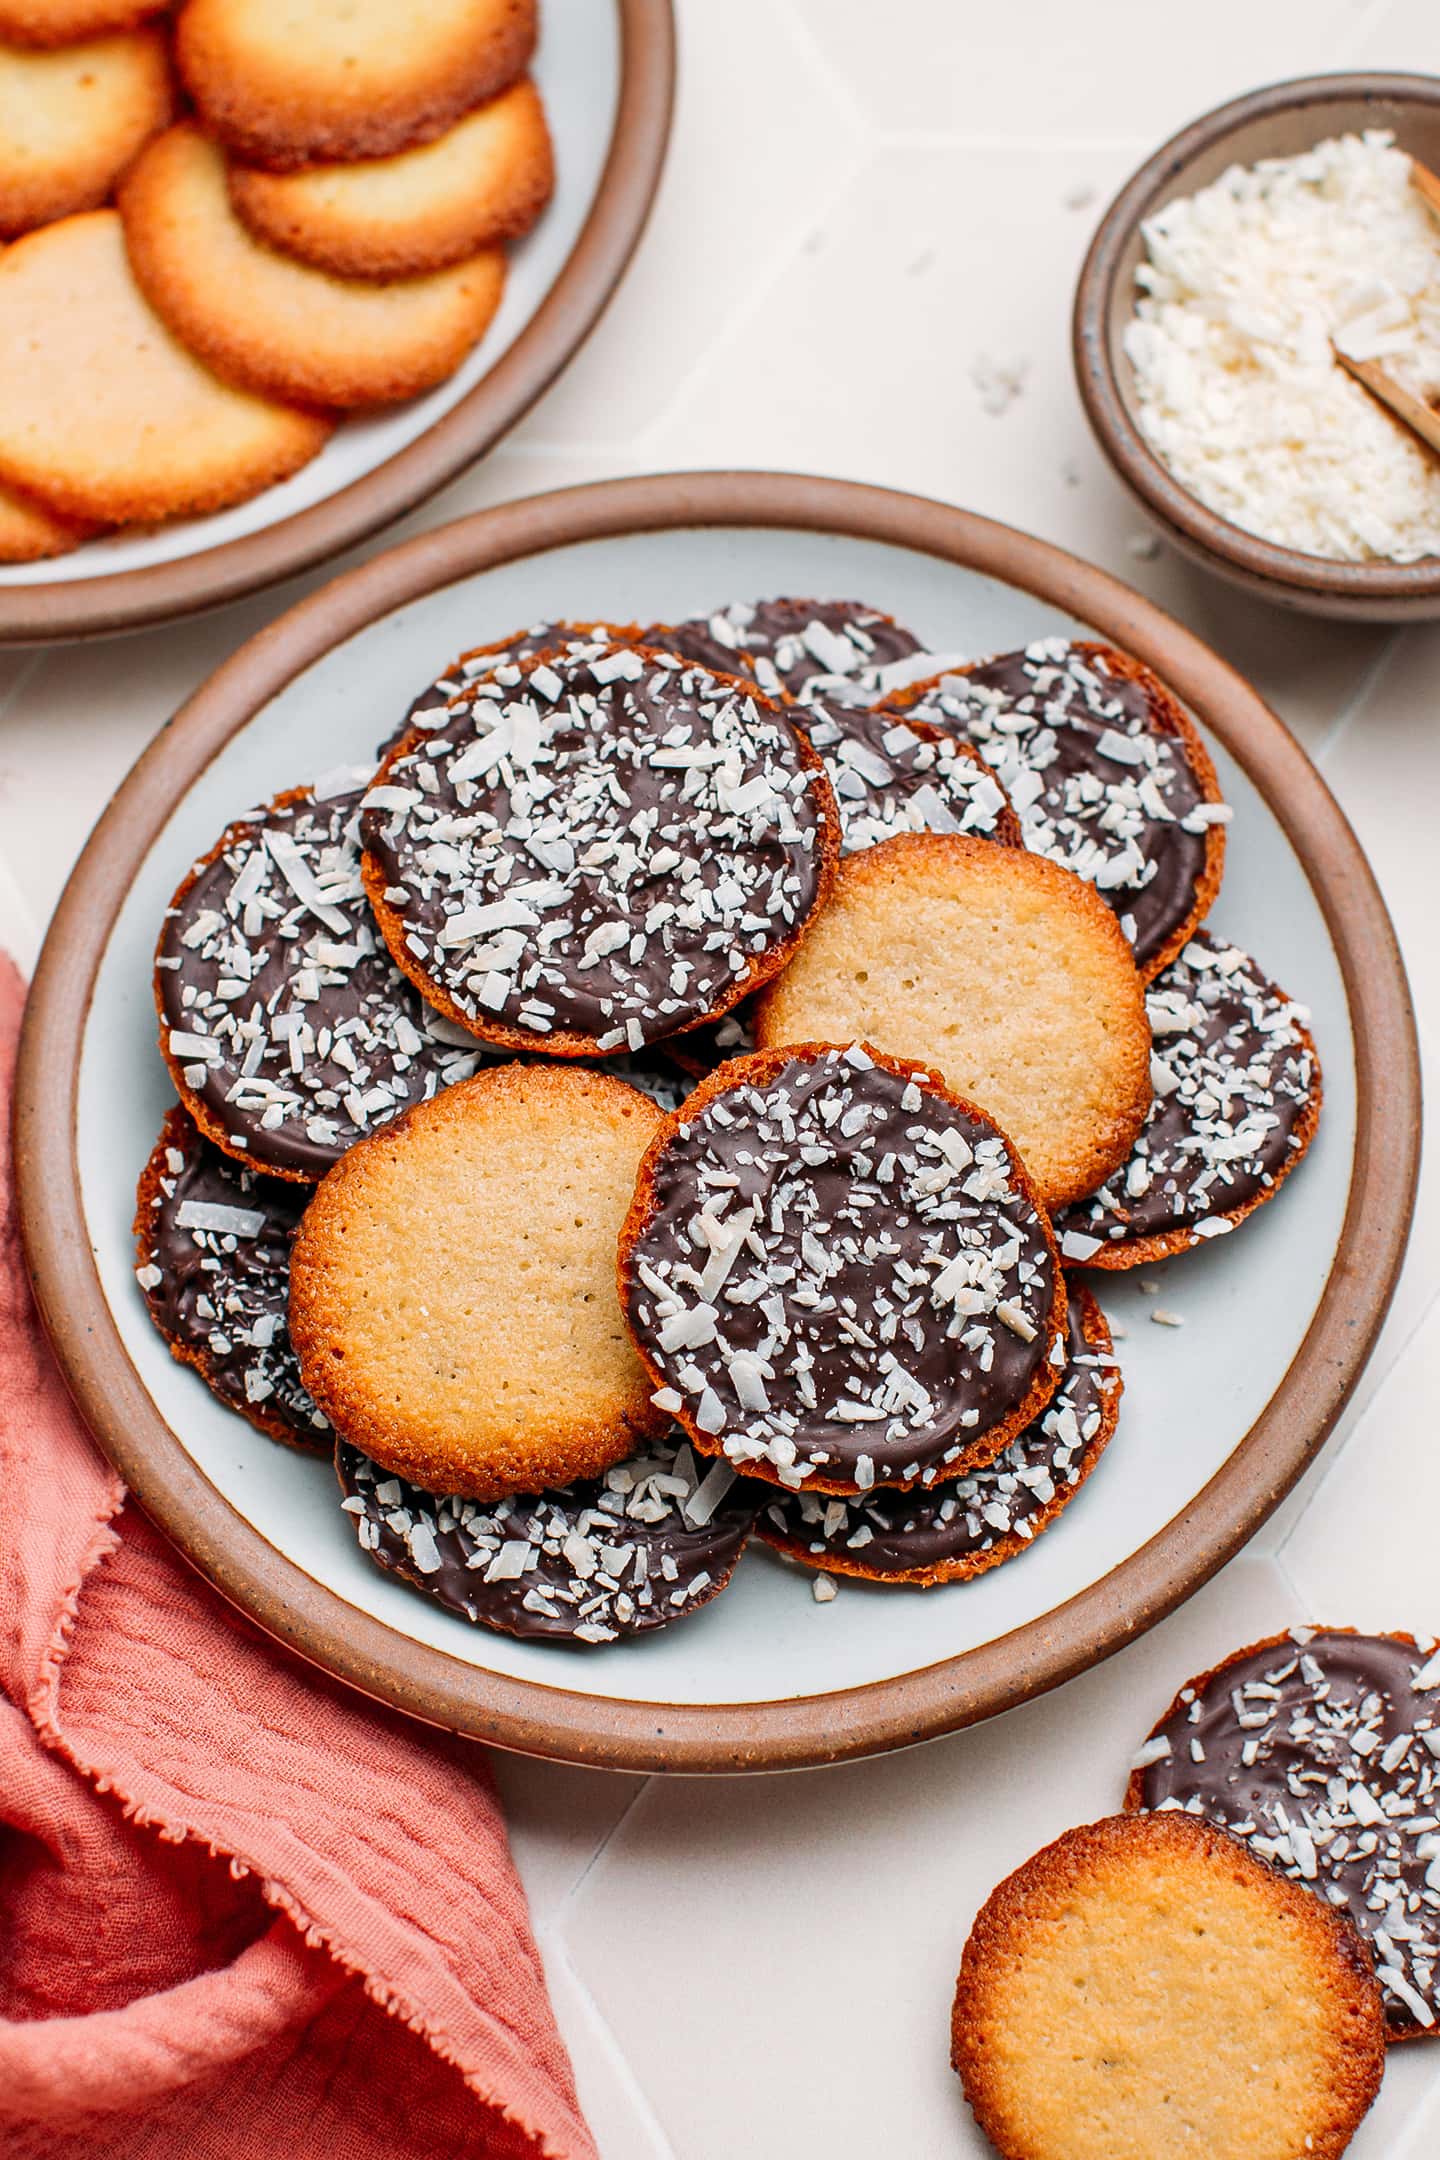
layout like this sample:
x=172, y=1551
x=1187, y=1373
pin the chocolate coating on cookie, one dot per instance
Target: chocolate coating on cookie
x=213, y=1248
x=800, y=648
x=615, y=846
x=895, y=775
x=1237, y=1099
x=1106, y=774
x=654, y=1538
x=288, y=1030
x=1320, y=1750
x=488, y=662
x=975, y=1522
x=838, y=1275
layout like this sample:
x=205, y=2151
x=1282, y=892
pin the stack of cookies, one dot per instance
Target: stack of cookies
x=234, y=225
x=669, y=1097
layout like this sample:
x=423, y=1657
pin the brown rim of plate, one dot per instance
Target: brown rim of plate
x=1375, y=591
x=38, y=614
x=557, y=1721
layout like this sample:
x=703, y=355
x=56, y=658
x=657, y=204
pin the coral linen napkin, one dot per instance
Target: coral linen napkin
x=242, y=1912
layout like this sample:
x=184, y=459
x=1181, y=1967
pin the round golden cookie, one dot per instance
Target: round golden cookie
x=453, y=1300
x=1003, y=972
x=485, y=179
x=72, y=120
x=103, y=415
x=278, y=326
x=292, y=82
x=1144, y=1989
x=67, y=22
x=31, y=533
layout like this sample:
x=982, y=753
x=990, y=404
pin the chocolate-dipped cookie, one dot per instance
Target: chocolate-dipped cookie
x=1320, y=1750
x=975, y=1522
x=1107, y=774
x=838, y=1275
x=1237, y=1100
x=288, y=1031
x=803, y=648
x=654, y=1538
x=486, y=662
x=617, y=846
x=895, y=775
x=213, y=1259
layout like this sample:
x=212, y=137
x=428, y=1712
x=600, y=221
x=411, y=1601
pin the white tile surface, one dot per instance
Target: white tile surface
x=861, y=206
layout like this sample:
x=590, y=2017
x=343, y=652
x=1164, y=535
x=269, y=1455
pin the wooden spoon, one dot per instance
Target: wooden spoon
x=1421, y=419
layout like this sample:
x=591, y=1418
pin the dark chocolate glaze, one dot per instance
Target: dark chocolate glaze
x=894, y=775
x=860, y=1333
x=221, y=1294
x=482, y=662
x=245, y=961
x=783, y=644
x=1344, y=1771
x=1235, y=1071
x=648, y=835
x=1050, y=720
x=987, y=1516
x=604, y=1558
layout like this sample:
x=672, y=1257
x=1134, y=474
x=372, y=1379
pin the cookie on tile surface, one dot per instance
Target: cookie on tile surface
x=31, y=533
x=978, y=1521
x=838, y=1275
x=68, y=22
x=616, y=846
x=295, y=82
x=1002, y=972
x=213, y=1259
x=104, y=416
x=288, y=1031
x=622, y=1554
x=802, y=648
x=1143, y=1989
x=484, y=180
x=1320, y=1750
x=1237, y=1102
x=277, y=326
x=1107, y=773
x=71, y=120
x=452, y=1290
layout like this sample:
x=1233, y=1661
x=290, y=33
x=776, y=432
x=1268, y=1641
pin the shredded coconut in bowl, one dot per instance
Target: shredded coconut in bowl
x=1244, y=286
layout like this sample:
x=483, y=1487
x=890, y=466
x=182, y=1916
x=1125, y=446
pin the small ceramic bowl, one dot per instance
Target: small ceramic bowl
x=1277, y=122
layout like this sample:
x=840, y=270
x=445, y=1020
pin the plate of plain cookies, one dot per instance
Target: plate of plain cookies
x=717, y=1121
x=270, y=275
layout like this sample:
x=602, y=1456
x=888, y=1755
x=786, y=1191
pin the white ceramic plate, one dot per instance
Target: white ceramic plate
x=1192, y=1393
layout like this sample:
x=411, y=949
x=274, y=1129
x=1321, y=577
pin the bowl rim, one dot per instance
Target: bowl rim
x=558, y=1722
x=1097, y=376
x=100, y=606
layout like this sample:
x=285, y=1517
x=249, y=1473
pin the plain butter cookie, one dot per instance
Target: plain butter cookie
x=72, y=120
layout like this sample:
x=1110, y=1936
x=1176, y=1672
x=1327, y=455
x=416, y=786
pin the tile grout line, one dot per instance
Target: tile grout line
x=620, y=2061
x=600, y=1850
x=23, y=679
x=1359, y=697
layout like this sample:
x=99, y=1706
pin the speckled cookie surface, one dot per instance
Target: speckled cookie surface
x=66, y=22
x=1320, y=1750
x=486, y=179
x=277, y=326
x=31, y=533
x=978, y=1521
x=72, y=119
x=801, y=648
x=107, y=418
x=295, y=82
x=838, y=1276
x=1107, y=774
x=1237, y=1101
x=452, y=1291
x=213, y=1259
x=616, y=846
x=1143, y=1989
x=651, y=1540
x=999, y=970
x=288, y=1030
